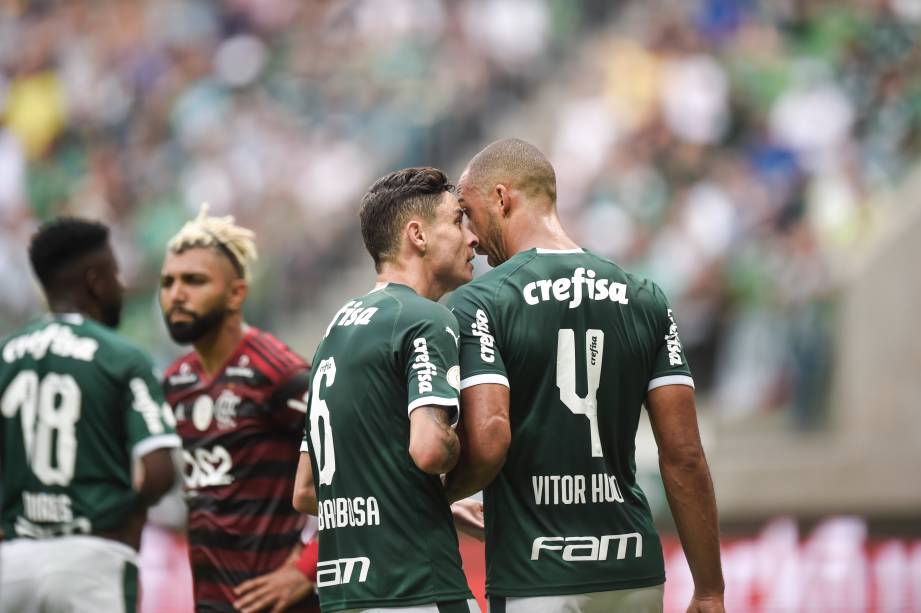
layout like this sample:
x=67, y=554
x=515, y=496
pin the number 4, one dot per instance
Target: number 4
x=566, y=378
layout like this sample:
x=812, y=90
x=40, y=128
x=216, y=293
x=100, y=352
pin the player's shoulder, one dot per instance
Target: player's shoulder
x=270, y=355
x=415, y=308
x=113, y=346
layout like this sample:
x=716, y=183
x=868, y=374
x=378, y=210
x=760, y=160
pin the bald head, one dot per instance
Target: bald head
x=517, y=165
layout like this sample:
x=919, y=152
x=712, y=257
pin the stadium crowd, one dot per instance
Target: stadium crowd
x=734, y=149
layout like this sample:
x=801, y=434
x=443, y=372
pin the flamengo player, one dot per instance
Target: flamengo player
x=383, y=398
x=560, y=348
x=238, y=401
x=79, y=404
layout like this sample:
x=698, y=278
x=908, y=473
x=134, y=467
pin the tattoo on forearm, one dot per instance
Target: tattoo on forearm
x=449, y=441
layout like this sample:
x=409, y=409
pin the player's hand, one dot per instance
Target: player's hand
x=278, y=589
x=707, y=604
x=468, y=517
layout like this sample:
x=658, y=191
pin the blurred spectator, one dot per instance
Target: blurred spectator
x=730, y=148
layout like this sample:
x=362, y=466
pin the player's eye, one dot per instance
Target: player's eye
x=165, y=282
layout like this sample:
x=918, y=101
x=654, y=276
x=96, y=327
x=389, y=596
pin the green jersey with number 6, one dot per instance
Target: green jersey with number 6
x=579, y=342
x=387, y=535
x=78, y=403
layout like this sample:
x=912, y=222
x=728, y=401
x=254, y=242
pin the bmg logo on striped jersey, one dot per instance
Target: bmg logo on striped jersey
x=581, y=285
x=588, y=548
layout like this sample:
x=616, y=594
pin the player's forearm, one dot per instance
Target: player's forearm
x=472, y=474
x=691, y=498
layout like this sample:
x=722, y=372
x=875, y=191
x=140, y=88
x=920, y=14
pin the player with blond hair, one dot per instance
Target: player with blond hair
x=238, y=402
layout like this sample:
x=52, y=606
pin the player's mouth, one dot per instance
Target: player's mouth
x=180, y=315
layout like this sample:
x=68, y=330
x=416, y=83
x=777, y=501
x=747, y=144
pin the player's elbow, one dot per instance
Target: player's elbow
x=685, y=458
x=435, y=456
x=304, y=500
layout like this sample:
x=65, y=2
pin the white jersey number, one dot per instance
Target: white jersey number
x=46, y=408
x=566, y=378
x=319, y=411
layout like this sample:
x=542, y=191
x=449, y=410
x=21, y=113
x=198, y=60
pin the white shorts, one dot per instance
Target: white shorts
x=469, y=606
x=637, y=600
x=76, y=574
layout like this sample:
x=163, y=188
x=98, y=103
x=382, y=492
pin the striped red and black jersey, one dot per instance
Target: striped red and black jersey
x=241, y=431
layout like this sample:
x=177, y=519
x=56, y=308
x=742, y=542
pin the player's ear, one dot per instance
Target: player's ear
x=503, y=199
x=414, y=234
x=239, y=290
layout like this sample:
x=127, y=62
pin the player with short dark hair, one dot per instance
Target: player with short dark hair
x=382, y=405
x=239, y=405
x=560, y=348
x=79, y=405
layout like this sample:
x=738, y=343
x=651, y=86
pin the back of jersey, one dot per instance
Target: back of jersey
x=77, y=402
x=579, y=342
x=386, y=532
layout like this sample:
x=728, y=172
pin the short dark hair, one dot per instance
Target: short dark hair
x=392, y=200
x=60, y=241
x=516, y=162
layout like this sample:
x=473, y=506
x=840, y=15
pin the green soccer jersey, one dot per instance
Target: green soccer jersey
x=579, y=342
x=78, y=403
x=387, y=536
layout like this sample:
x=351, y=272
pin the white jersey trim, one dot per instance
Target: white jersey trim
x=487, y=378
x=671, y=380
x=304, y=448
x=426, y=400
x=542, y=250
x=152, y=443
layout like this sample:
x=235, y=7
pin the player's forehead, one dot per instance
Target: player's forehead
x=193, y=260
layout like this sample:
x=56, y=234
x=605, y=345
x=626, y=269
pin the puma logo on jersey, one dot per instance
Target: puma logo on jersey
x=571, y=289
x=425, y=370
x=58, y=339
x=673, y=343
x=452, y=335
x=587, y=548
x=480, y=328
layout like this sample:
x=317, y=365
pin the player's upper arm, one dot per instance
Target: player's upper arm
x=305, y=494
x=149, y=421
x=485, y=429
x=673, y=417
x=288, y=404
x=158, y=475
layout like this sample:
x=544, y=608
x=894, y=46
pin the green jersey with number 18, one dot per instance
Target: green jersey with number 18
x=579, y=342
x=387, y=535
x=78, y=403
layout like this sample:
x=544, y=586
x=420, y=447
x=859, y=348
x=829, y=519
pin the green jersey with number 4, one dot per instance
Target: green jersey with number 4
x=78, y=402
x=579, y=342
x=387, y=535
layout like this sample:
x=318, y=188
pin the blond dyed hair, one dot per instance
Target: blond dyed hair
x=221, y=233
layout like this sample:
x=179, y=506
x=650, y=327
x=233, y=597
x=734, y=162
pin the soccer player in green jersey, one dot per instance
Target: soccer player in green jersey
x=560, y=348
x=383, y=402
x=79, y=405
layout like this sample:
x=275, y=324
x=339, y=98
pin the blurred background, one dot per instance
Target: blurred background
x=758, y=159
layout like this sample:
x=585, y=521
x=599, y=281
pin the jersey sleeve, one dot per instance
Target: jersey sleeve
x=670, y=367
x=429, y=349
x=480, y=358
x=149, y=421
x=288, y=403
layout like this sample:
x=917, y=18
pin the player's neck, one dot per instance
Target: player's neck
x=540, y=231
x=63, y=305
x=413, y=275
x=215, y=348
